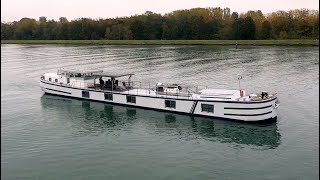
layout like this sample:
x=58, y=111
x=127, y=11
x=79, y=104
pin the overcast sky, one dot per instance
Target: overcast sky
x=13, y=10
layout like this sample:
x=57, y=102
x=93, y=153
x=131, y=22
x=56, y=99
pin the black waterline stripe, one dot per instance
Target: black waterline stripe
x=241, y=102
x=227, y=114
x=58, y=91
x=248, y=108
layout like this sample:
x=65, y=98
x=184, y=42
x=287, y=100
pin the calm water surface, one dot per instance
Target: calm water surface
x=50, y=137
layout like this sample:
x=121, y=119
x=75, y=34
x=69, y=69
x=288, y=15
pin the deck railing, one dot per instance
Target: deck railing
x=136, y=88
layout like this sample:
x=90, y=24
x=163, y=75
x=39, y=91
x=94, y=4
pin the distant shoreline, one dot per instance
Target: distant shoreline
x=299, y=42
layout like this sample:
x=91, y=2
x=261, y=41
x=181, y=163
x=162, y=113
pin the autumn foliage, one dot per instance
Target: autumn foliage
x=192, y=24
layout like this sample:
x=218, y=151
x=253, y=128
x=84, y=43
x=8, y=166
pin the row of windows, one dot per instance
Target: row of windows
x=56, y=80
x=168, y=103
x=204, y=107
x=109, y=96
x=130, y=99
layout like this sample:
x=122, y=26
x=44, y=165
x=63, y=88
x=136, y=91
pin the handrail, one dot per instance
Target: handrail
x=138, y=86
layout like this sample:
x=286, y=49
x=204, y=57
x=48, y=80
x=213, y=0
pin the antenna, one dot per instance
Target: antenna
x=239, y=78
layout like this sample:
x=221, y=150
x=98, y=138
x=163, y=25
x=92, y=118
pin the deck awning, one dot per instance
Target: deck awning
x=111, y=75
x=94, y=73
x=74, y=71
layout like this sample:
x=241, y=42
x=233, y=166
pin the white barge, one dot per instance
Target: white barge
x=112, y=88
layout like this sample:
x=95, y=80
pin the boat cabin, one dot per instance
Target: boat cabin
x=89, y=79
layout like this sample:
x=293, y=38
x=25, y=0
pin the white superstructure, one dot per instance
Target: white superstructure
x=112, y=88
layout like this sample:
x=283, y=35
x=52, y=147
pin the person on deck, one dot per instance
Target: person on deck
x=101, y=82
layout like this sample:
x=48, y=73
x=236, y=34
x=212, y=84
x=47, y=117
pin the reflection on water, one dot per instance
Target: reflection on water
x=52, y=137
x=91, y=118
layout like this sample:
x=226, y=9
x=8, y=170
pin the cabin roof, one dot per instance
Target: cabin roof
x=52, y=75
x=112, y=75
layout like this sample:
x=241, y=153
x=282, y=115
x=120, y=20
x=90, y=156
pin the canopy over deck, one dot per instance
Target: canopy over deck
x=111, y=75
x=94, y=73
x=78, y=71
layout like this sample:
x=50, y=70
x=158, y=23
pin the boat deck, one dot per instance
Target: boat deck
x=182, y=95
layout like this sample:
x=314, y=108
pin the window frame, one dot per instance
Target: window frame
x=107, y=96
x=86, y=94
x=170, y=104
x=207, y=108
x=131, y=99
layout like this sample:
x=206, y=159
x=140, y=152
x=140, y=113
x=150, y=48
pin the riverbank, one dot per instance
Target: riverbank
x=304, y=42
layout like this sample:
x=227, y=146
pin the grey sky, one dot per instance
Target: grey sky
x=12, y=10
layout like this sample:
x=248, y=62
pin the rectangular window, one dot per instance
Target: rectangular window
x=108, y=96
x=85, y=94
x=131, y=99
x=207, y=108
x=170, y=104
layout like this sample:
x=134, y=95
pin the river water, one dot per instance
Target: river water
x=50, y=137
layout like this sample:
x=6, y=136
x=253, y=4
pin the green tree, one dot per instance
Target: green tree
x=248, y=29
x=25, y=29
x=63, y=28
x=281, y=21
x=266, y=32
x=258, y=19
x=237, y=32
x=108, y=33
x=6, y=31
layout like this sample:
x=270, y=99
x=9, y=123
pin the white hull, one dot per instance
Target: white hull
x=250, y=111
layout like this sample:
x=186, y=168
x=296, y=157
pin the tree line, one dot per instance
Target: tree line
x=190, y=24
